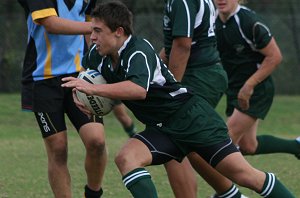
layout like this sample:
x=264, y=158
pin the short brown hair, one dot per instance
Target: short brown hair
x=114, y=14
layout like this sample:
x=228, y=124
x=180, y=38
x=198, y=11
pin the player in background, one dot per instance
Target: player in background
x=54, y=50
x=191, y=55
x=249, y=54
x=177, y=121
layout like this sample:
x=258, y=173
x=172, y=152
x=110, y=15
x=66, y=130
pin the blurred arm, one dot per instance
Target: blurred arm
x=272, y=58
x=57, y=25
x=179, y=56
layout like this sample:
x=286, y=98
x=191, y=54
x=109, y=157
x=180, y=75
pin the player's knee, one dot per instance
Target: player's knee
x=96, y=147
x=120, y=160
x=248, y=181
x=123, y=161
x=58, y=155
x=242, y=180
x=247, y=149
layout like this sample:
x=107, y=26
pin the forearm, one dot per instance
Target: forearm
x=57, y=25
x=272, y=59
x=125, y=90
x=178, y=59
x=265, y=70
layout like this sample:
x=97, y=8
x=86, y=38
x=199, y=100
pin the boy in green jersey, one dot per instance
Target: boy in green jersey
x=177, y=122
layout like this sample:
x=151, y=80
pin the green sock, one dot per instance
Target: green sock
x=271, y=144
x=130, y=130
x=232, y=192
x=273, y=188
x=140, y=184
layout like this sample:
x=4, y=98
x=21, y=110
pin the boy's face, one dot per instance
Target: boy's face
x=226, y=6
x=104, y=38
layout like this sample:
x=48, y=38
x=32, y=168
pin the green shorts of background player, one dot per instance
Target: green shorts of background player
x=208, y=82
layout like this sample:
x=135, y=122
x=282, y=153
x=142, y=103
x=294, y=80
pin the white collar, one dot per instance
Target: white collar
x=124, y=45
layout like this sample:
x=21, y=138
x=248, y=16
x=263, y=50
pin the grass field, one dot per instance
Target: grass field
x=23, y=165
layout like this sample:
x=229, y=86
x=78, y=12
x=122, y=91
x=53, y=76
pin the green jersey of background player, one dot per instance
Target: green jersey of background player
x=190, y=47
x=177, y=122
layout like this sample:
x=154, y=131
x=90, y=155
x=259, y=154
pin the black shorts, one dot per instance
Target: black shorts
x=163, y=148
x=51, y=102
x=54, y=122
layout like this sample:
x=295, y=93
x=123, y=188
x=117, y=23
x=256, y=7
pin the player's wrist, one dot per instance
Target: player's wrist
x=252, y=82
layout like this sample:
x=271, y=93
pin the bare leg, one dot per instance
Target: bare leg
x=93, y=137
x=243, y=130
x=131, y=160
x=216, y=180
x=182, y=178
x=58, y=173
x=236, y=168
x=240, y=124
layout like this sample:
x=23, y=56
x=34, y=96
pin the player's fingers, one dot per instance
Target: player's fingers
x=68, y=78
x=75, y=98
x=67, y=84
x=85, y=110
x=82, y=107
x=79, y=104
x=71, y=84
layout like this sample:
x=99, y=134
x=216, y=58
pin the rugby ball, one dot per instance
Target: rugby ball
x=96, y=104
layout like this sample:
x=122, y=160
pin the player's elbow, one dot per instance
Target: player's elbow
x=276, y=58
x=141, y=95
x=50, y=24
x=275, y=53
x=50, y=28
x=279, y=58
x=137, y=92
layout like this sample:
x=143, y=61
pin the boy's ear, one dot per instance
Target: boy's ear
x=119, y=31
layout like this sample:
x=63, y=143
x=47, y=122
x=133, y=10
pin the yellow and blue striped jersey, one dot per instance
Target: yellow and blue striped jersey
x=50, y=55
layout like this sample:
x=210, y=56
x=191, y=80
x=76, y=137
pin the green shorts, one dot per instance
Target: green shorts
x=260, y=101
x=208, y=82
x=196, y=124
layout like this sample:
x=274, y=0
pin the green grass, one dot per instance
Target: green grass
x=23, y=164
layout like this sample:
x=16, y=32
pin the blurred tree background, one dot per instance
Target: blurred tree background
x=281, y=16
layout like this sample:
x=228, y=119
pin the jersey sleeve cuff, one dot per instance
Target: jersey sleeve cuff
x=43, y=14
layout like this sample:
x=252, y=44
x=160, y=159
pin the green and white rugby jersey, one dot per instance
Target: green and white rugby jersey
x=194, y=19
x=140, y=64
x=239, y=40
